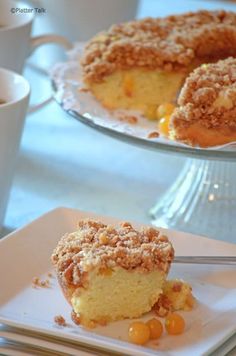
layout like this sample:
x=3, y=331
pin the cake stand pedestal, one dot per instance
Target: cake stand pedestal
x=202, y=200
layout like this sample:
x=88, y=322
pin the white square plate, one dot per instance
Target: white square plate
x=26, y=253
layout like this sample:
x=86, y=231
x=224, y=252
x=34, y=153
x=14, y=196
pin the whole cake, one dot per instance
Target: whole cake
x=143, y=64
x=206, y=115
x=109, y=273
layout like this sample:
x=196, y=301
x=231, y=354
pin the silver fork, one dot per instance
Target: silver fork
x=207, y=260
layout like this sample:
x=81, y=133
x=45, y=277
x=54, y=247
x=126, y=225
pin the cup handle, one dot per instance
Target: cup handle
x=44, y=39
x=38, y=41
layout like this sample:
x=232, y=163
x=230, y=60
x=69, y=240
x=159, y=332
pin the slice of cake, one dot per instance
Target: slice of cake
x=109, y=273
x=142, y=64
x=206, y=115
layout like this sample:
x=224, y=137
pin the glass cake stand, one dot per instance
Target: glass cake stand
x=202, y=199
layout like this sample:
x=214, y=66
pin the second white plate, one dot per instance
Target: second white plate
x=26, y=253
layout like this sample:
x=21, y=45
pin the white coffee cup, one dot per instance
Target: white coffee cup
x=79, y=20
x=14, y=92
x=15, y=31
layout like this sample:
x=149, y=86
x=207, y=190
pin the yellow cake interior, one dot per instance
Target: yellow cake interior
x=138, y=89
x=117, y=293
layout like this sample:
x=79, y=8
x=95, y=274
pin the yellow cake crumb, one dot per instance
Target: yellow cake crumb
x=177, y=295
x=138, y=89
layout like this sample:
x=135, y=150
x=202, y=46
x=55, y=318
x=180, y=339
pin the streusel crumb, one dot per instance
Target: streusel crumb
x=208, y=97
x=96, y=245
x=37, y=282
x=176, y=295
x=59, y=320
x=170, y=43
x=130, y=119
x=153, y=134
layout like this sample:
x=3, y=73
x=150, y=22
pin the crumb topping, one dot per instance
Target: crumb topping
x=172, y=291
x=170, y=43
x=153, y=134
x=97, y=245
x=209, y=97
x=59, y=320
x=37, y=282
x=163, y=306
x=131, y=119
x=75, y=318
